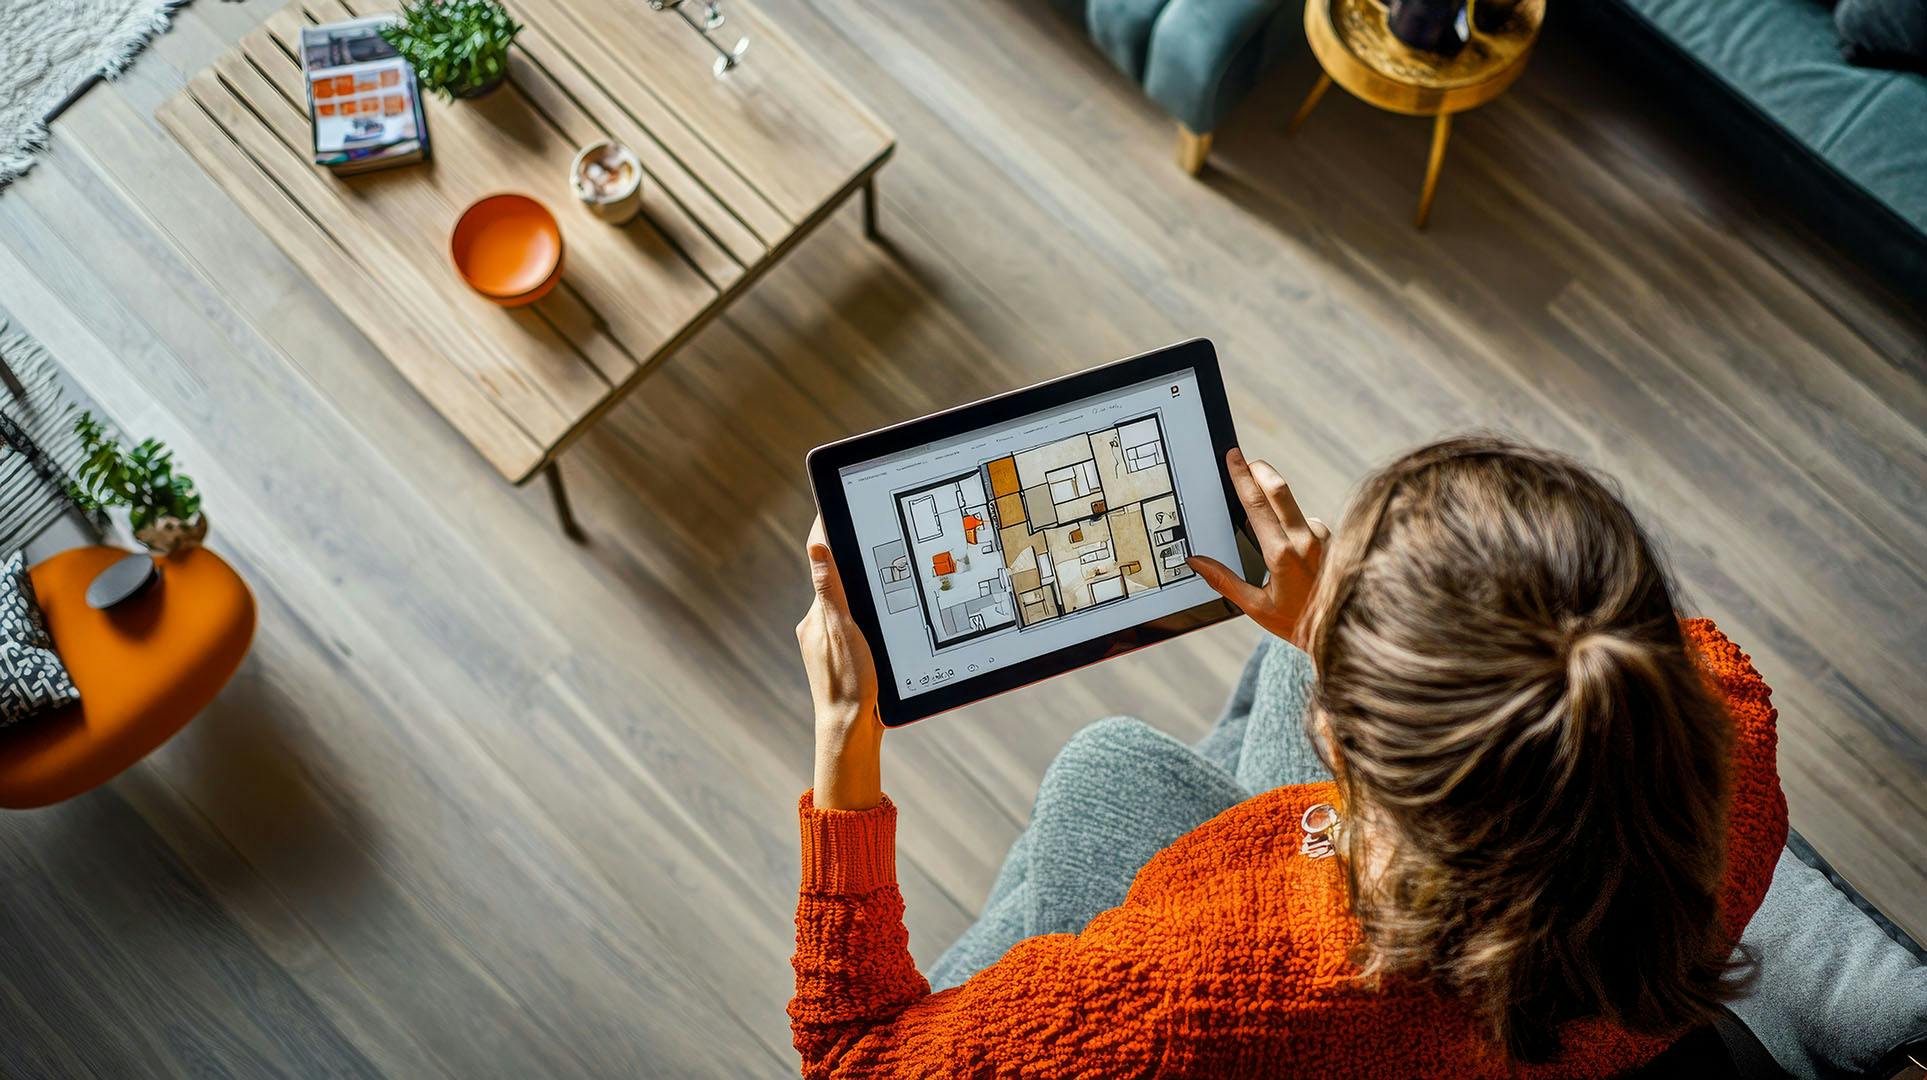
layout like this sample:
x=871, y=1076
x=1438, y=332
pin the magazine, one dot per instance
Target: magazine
x=363, y=99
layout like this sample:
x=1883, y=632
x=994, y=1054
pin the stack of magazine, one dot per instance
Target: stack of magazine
x=363, y=99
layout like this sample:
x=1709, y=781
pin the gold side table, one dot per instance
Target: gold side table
x=1358, y=52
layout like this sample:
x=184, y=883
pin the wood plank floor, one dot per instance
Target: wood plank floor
x=487, y=803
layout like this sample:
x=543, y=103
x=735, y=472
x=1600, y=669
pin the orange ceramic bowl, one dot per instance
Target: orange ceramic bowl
x=508, y=248
x=541, y=290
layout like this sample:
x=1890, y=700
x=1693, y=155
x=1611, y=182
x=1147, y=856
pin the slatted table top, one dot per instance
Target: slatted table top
x=736, y=170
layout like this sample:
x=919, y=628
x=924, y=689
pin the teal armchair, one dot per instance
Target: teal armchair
x=1195, y=58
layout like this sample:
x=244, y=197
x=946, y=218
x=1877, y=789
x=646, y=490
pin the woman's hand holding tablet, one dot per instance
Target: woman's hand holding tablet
x=1003, y=542
x=843, y=687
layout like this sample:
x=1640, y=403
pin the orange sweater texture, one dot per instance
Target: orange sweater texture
x=1228, y=958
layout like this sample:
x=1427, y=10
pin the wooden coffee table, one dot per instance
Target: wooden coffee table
x=738, y=170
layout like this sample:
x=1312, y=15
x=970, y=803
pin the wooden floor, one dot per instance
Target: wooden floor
x=487, y=803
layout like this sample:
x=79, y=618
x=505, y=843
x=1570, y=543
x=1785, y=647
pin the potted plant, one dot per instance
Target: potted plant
x=163, y=506
x=459, y=48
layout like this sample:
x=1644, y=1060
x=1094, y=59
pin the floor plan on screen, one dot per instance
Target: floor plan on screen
x=1038, y=535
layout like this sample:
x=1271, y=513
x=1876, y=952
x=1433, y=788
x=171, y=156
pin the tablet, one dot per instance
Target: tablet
x=1020, y=537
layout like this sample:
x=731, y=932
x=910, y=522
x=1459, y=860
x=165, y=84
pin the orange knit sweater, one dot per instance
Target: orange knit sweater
x=1229, y=957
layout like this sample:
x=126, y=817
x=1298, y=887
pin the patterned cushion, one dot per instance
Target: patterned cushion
x=32, y=678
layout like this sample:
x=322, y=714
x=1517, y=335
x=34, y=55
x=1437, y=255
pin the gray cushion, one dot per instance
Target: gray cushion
x=32, y=678
x=1833, y=994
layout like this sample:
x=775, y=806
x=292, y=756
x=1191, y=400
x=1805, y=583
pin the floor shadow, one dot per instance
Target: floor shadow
x=249, y=775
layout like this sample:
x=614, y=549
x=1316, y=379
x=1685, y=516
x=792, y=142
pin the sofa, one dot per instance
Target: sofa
x=1844, y=147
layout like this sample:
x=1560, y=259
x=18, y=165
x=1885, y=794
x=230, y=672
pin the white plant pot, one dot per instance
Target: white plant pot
x=167, y=535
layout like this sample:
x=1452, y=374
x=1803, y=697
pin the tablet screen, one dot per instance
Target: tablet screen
x=1015, y=540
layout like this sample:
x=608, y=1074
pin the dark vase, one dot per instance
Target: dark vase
x=1433, y=25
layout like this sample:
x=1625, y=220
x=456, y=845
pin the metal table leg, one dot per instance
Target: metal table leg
x=560, y=494
x=870, y=208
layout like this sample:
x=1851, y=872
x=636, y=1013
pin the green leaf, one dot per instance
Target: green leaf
x=141, y=479
x=455, y=44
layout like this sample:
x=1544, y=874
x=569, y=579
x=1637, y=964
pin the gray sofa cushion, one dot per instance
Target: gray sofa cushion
x=1833, y=994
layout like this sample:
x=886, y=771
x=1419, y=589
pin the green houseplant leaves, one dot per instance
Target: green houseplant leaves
x=142, y=479
x=458, y=48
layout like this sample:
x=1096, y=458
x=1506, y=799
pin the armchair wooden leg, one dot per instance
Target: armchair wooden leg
x=1193, y=148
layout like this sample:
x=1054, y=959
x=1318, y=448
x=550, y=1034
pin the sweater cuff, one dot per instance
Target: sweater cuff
x=848, y=852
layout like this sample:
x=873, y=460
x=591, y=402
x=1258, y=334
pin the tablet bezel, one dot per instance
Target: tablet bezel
x=825, y=461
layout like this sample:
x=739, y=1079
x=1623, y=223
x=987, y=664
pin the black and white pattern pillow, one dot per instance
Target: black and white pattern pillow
x=32, y=678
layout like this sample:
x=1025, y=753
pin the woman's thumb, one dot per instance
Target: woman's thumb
x=823, y=575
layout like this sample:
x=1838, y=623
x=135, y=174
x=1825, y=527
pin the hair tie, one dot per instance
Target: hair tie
x=1320, y=822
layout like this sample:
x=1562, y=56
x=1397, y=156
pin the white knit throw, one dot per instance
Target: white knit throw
x=48, y=48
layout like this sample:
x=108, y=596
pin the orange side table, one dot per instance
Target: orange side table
x=143, y=669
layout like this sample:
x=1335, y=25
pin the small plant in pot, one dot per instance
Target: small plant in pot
x=163, y=506
x=459, y=48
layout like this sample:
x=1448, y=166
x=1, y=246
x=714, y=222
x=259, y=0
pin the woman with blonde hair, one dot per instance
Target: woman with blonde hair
x=1552, y=808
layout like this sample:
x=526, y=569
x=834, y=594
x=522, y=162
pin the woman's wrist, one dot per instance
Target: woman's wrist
x=849, y=763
